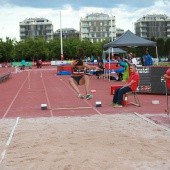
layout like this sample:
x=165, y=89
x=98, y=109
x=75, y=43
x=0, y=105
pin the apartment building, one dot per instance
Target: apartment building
x=119, y=32
x=98, y=27
x=155, y=25
x=33, y=27
x=67, y=32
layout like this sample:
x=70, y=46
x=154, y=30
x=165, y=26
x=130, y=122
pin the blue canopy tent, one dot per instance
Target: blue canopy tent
x=115, y=50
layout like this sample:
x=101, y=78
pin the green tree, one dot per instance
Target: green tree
x=160, y=46
x=7, y=50
x=167, y=46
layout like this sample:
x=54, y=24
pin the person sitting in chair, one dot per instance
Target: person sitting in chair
x=100, y=72
x=131, y=85
x=123, y=72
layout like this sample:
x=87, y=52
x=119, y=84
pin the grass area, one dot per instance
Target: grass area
x=163, y=64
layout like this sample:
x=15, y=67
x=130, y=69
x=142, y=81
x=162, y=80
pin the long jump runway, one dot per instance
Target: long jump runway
x=23, y=94
x=103, y=137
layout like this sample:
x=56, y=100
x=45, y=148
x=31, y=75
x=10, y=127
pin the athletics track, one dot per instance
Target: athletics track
x=23, y=93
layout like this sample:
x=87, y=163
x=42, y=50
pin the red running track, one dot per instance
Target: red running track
x=23, y=94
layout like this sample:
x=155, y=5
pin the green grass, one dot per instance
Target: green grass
x=162, y=64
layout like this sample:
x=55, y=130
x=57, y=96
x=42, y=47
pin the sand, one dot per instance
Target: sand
x=99, y=142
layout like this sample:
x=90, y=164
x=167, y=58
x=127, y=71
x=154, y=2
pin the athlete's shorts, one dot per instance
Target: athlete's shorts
x=77, y=78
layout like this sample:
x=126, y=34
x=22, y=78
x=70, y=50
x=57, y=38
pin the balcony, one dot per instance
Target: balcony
x=143, y=25
x=84, y=36
x=22, y=29
x=48, y=28
x=84, y=25
x=49, y=33
x=84, y=31
x=143, y=30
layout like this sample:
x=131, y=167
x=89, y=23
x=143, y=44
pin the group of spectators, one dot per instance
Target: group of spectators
x=146, y=60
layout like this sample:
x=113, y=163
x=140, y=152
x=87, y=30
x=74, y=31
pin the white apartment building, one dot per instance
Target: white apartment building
x=67, y=32
x=33, y=27
x=155, y=25
x=98, y=27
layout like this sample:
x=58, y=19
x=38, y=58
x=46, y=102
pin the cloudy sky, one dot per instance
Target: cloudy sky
x=126, y=11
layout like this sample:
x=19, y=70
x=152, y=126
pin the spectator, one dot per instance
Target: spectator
x=100, y=72
x=129, y=58
x=142, y=60
x=134, y=61
x=169, y=57
x=123, y=72
x=37, y=63
x=23, y=63
x=131, y=85
x=92, y=59
x=99, y=60
x=148, y=61
x=167, y=78
x=40, y=63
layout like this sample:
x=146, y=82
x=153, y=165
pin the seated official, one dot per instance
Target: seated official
x=131, y=85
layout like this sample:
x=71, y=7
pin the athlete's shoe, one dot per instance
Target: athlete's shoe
x=89, y=96
x=80, y=96
x=112, y=104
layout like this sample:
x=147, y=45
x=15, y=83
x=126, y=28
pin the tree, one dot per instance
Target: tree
x=7, y=50
x=167, y=46
x=160, y=46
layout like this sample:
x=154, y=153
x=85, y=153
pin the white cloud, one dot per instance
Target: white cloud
x=10, y=16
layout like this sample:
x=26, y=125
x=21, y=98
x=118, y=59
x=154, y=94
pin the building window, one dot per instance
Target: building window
x=91, y=29
x=32, y=27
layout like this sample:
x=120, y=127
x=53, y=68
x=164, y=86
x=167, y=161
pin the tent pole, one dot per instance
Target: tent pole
x=109, y=64
x=103, y=56
x=157, y=55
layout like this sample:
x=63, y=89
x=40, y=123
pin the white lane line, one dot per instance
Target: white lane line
x=9, y=140
x=150, y=121
x=14, y=99
x=48, y=101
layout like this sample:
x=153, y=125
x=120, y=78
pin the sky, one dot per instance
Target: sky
x=12, y=12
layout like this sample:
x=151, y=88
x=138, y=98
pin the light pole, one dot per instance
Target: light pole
x=61, y=38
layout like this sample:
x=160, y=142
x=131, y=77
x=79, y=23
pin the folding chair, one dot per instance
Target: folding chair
x=134, y=94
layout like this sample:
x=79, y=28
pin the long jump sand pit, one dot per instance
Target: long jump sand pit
x=99, y=142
